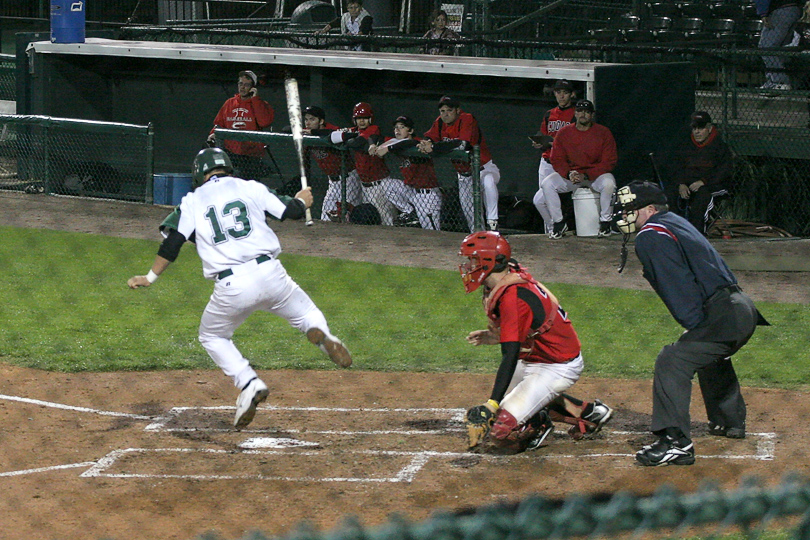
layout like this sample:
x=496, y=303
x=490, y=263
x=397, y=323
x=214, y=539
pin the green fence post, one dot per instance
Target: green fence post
x=478, y=207
x=150, y=163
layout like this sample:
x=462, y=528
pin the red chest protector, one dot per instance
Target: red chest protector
x=517, y=278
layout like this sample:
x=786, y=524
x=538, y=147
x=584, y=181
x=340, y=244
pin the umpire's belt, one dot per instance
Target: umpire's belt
x=229, y=272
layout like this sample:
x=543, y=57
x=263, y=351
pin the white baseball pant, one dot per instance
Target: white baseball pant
x=428, y=205
x=253, y=287
x=490, y=176
x=554, y=184
x=539, y=199
x=334, y=192
x=380, y=193
x=533, y=386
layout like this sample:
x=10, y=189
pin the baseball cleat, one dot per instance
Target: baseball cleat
x=559, y=230
x=331, y=346
x=666, y=451
x=599, y=416
x=729, y=432
x=543, y=431
x=254, y=393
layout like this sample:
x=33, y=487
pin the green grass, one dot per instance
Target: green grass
x=66, y=307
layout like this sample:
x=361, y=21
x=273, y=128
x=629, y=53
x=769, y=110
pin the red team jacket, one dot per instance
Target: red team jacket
x=528, y=313
x=592, y=152
x=465, y=128
x=554, y=120
x=417, y=172
x=250, y=114
x=328, y=159
x=370, y=168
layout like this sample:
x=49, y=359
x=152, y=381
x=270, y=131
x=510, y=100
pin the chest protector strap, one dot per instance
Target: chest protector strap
x=517, y=278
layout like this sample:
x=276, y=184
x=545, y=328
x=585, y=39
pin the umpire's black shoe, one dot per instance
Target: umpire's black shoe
x=666, y=451
x=729, y=432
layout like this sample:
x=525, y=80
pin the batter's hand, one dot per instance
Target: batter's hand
x=305, y=195
x=694, y=186
x=483, y=337
x=137, y=281
x=683, y=191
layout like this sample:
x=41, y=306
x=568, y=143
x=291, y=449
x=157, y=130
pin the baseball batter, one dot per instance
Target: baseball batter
x=225, y=217
x=540, y=353
x=329, y=160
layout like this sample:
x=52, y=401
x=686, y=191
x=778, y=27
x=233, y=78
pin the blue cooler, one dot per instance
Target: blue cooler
x=169, y=188
x=67, y=21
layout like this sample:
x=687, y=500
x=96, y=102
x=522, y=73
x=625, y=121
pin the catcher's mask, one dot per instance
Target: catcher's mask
x=485, y=252
x=631, y=198
x=206, y=161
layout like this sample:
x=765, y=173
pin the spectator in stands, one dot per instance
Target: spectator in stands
x=461, y=127
x=245, y=110
x=355, y=22
x=779, y=18
x=705, y=171
x=439, y=30
x=421, y=189
x=583, y=155
x=329, y=159
x=554, y=120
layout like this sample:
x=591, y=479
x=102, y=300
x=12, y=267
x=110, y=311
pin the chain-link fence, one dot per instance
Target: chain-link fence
x=8, y=78
x=402, y=188
x=40, y=154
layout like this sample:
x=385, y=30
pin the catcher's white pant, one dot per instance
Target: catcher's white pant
x=428, y=205
x=533, y=386
x=252, y=287
x=554, y=184
x=539, y=199
x=490, y=176
x=387, y=195
x=333, y=194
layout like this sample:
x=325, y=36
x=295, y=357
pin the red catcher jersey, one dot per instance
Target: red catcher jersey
x=554, y=120
x=252, y=114
x=369, y=168
x=521, y=309
x=328, y=159
x=465, y=128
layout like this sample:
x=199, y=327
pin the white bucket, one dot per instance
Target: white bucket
x=586, y=211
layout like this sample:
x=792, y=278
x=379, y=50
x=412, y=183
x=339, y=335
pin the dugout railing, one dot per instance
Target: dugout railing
x=282, y=173
x=61, y=156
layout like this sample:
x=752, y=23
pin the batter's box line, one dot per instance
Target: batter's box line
x=455, y=415
x=405, y=475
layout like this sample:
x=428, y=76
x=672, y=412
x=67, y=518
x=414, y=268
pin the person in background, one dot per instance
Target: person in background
x=554, y=120
x=439, y=30
x=355, y=22
x=779, y=18
x=705, y=171
x=245, y=110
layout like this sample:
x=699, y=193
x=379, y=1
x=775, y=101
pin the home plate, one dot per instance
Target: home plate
x=274, y=442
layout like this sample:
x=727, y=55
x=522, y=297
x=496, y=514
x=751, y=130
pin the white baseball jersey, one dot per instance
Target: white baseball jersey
x=227, y=217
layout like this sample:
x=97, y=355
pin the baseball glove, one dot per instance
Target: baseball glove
x=479, y=421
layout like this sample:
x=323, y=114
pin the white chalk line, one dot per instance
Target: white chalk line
x=47, y=469
x=73, y=408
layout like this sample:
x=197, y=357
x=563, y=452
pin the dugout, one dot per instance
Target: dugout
x=179, y=87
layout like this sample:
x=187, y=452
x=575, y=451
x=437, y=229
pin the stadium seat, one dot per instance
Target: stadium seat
x=647, y=29
x=748, y=31
x=727, y=10
x=656, y=23
x=687, y=25
x=696, y=10
x=607, y=35
x=719, y=27
x=614, y=31
x=664, y=9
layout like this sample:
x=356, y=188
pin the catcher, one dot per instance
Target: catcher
x=540, y=354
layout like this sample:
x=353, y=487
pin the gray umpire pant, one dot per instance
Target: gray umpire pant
x=731, y=319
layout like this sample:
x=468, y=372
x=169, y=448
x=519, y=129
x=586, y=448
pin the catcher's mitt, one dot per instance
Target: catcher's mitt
x=479, y=421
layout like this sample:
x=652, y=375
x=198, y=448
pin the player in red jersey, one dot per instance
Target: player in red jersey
x=540, y=353
x=554, y=120
x=421, y=187
x=453, y=124
x=379, y=189
x=329, y=161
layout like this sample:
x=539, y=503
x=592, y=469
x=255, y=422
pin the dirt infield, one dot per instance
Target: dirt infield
x=152, y=455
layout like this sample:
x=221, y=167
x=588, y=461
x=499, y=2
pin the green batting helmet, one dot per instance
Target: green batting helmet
x=206, y=161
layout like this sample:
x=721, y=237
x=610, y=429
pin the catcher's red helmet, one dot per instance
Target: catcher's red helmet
x=482, y=250
x=362, y=110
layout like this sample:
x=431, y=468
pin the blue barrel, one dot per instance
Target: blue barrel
x=67, y=21
x=170, y=188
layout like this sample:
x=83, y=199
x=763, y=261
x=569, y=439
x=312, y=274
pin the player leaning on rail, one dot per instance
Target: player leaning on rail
x=225, y=217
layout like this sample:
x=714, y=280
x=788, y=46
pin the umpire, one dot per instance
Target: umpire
x=702, y=294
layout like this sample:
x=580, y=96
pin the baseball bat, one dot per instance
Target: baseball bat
x=656, y=174
x=294, y=110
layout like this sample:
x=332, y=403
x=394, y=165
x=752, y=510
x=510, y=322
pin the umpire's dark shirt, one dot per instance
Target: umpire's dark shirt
x=681, y=265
